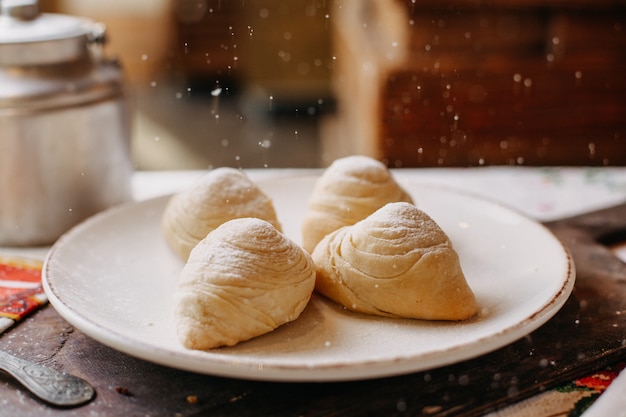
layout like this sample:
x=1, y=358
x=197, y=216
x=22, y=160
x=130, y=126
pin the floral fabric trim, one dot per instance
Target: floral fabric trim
x=21, y=291
x=568, y=400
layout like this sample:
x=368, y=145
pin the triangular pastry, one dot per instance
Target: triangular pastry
x=243, y=280
x=398, y=263
x=222, y=194
x=349, y=190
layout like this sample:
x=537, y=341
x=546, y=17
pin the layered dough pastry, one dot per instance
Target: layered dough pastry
x=396, y=263
x=349, y=190
x=221, y=195
x=243, y=280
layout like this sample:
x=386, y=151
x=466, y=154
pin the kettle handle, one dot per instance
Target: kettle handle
x=96, y=40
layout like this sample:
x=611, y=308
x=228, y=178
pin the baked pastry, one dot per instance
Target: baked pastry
x=349, y=190
x=397, y=263
x=243, y=280
x=221, y=195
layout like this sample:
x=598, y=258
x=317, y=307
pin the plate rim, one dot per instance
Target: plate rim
x=220, y=366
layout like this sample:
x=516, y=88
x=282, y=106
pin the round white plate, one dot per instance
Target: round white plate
x=113, y=277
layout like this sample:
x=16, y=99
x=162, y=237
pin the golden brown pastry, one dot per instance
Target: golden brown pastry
x=243, y=280
x=221, y=195
x=398, y=263
x=349, y=190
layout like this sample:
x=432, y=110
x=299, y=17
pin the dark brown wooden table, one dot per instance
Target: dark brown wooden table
x=587, y=334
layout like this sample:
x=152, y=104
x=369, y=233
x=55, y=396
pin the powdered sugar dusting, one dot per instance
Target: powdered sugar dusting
x=404, y=224
x=360, y=167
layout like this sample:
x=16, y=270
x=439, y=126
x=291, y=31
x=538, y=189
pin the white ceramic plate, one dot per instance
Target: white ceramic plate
x=113, y=277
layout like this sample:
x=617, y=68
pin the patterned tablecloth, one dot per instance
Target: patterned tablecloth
x=540, y=193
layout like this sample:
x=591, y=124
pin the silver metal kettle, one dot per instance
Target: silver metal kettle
x=64, y=124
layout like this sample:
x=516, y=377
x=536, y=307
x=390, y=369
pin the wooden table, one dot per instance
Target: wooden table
x=587, y=334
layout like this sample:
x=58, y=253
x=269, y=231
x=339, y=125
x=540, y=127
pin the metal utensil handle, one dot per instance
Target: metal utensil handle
x=58, y=388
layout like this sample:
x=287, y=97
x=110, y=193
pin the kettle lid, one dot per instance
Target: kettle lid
x=21, y=22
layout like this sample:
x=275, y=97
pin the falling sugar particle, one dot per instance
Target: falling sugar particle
x=265, y=144
x=512, y=392
x=216, y=92
x=401, y=406
x=327, y=343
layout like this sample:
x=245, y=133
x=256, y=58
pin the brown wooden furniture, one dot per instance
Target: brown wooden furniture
x=466, y=82
x=264, y=48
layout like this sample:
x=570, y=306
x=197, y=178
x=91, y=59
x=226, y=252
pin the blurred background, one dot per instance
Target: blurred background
x=298, y=83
